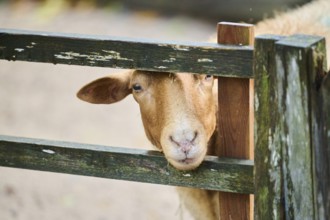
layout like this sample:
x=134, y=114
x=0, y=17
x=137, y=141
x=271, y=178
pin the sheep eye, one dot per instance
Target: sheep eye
x=208, y=77
x=137, y=87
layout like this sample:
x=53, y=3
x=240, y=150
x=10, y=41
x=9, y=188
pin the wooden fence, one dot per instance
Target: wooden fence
x=290, y=175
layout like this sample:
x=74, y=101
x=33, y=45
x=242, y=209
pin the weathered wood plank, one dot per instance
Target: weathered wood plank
x=105, y=51
x=234, y=120
x=268, y=172
x=319, y=93
x=322, y=154
x=291, y=175
x=323, y=177
x=125, y=164
x=293, y=104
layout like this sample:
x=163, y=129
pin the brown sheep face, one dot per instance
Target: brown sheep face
x=177, y=110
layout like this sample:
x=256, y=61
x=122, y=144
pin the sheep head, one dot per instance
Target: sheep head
x=177, y=110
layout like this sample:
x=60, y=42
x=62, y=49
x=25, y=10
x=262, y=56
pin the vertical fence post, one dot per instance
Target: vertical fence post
x=323, y=169
x=322, y=150
x=319, y=93
x=287, y=127
x=267, y=163
x=235, y=116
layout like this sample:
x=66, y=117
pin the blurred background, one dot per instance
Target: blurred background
x=38, y=100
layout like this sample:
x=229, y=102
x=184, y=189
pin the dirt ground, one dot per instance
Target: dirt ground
x=38, y=100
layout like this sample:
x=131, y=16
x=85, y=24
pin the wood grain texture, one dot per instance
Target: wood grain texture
x=293, y=106
x=322, y=178
x=319, y=93
x=125, y=164
x=234, y=119
x=105, y=51
x=321, y=143
x=290, y=170
x=235, y=33
x=268, y=171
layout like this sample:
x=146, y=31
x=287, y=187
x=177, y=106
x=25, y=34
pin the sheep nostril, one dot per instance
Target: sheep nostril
x=184, y=144
x=184, y=140
x=195, y=136
x=174, y=141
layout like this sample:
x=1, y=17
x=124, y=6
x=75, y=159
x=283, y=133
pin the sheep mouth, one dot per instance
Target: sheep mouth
x=187, y=160
x=187, y=163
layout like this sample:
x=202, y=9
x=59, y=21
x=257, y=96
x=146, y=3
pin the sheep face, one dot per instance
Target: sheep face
x=177, y=110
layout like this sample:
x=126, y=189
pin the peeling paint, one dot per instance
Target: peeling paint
x=48, y=151
x=176, y=47
x=115, y=55
x=32, y=44
x=111, y=55
x=59, y=56
x=204, y=60
x=180, y=47
x=170, y=60
x=19, y=49
x=161, y=67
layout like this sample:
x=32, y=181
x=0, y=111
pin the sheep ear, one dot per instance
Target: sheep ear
x=106, y=90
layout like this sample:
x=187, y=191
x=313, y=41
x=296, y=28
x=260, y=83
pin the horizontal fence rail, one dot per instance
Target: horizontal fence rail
x=105, y=51
x=230, y=175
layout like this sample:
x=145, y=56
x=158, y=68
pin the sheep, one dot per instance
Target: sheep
x=180, y=127
x=179, y=110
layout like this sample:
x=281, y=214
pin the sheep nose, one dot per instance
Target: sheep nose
x=185, y=141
